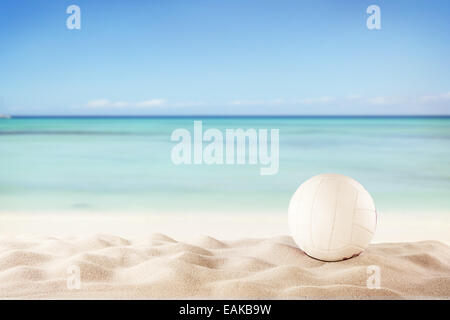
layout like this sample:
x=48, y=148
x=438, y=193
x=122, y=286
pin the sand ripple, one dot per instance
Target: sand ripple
x=161, y=267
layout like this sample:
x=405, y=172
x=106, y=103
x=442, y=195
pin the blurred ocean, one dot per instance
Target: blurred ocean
x=123, y=165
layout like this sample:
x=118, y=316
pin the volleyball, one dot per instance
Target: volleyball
x=332, y=217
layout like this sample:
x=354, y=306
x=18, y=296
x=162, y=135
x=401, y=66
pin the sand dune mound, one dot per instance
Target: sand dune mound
x=208, y=243
x=161, y=237
x=161, y=267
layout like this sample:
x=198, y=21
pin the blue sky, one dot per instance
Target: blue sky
x=224, y=57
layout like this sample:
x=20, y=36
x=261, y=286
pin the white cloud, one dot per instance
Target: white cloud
x=353, y=97
x=353, y=100
x=105, y=103
x=256, y=102
x=384, y=101
x=319, y=100
x=391, y=100
x=185, y=104
x=274, y=102
x=98, y=103
x=379, y=100
x=151, y=103
x=435, y=98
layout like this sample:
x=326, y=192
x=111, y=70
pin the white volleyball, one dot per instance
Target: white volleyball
x=332, y=217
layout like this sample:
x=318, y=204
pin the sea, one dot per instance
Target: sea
x=116, y=165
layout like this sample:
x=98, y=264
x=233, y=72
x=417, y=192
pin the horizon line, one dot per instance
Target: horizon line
x=233, y=116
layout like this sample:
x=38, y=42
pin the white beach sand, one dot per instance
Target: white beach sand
x=36, y=253
x=391, y=227
x=160, y=267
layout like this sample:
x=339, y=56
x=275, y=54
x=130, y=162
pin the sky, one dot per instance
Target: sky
x=227, y=57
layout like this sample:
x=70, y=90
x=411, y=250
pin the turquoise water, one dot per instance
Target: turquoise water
x=124, y=165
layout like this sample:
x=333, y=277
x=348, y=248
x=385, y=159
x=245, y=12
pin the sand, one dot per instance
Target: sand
x=157, y=266
x=391, y=226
